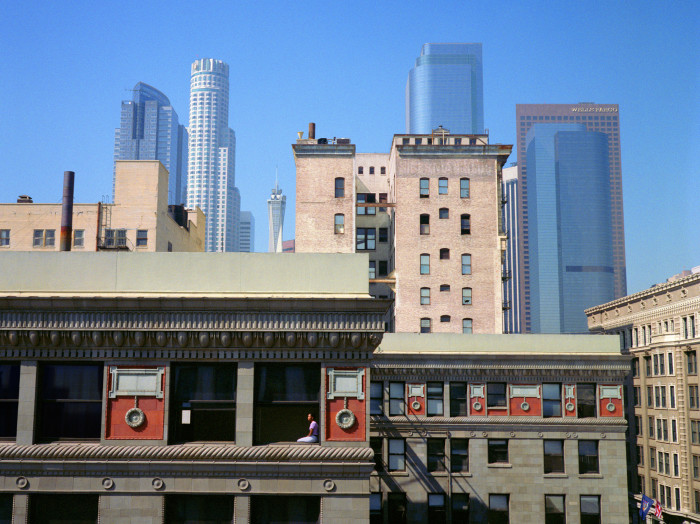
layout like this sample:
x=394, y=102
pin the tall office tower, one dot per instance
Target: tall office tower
x=276, y=205
x=247, y=232
x=571, y=251
x=428, y=214
x=511, y=262
x=603, y=118
x=211, y=169
x=446, y=88
x=150, y=130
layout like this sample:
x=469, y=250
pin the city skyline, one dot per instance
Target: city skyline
x=362, y=98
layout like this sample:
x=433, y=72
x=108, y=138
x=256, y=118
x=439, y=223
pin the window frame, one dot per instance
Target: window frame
x=588, y=462
x=434, y=391
x=464, y=189
x=498, y=451
x=465, y=224
x=553, y=461
x=467, y=326
x=435, y=451
x=339, y=225
x=399, y=456
x=424, y=187
x=339, y=188
x=443, y=186
x=466, y=266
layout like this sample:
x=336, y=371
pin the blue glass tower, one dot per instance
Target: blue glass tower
x=446, y=88
x=571, y=244
x=150, y=130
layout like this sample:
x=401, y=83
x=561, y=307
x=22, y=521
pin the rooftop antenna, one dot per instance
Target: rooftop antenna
x=276, y=180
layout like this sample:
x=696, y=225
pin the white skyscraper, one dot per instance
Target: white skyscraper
x=275, y=212
x=247, y=232
x=212, y=153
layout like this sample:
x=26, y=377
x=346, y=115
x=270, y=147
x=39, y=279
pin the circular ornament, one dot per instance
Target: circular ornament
x=13, y=337
x=290, y=339
x=76, y=337
x=355, y=340
x=107, y=483
x=484, y=434
x=312, y=339
x=183, y=337
x=225, y=339
x=55, y=338
x=161, y=339
x=204, y=339
x=22, y=482
x=472, y=434
x=139, y=338
x=269, y=339
x=540, y=435
x=345, y=419
x=135, y=418
x=512, y=433
x=157, y=483
x=118, y=338
x=603, y=435
x=243, y=484
x=334, y=339
x=525, y=406
x=96, y=338
x=328, y=485
x=247, y=339
x=610, y=407
x=569, y=406
x=34, y=338
x=415, y=405
x=477, y=406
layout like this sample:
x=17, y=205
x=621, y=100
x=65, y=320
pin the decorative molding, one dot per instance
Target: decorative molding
x=345, y=383
x=401, y=421
x=524, y=391
x=137, y=382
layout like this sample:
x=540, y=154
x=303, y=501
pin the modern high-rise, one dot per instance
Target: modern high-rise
x=276, y=205
x=603, y=118
x=247, y=232
x=571, y=255
x=212, y=152
x=446, y=88
x=149, y=129
x=511, y=280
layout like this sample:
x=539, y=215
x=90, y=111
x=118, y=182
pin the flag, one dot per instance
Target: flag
x=657, y=509
x=645, y=506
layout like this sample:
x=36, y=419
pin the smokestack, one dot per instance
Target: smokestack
x=67, y=211
x=312, y=130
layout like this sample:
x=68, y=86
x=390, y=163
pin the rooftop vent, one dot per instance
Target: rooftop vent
x=24, y=199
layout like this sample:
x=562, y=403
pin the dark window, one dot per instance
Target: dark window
x=445, y=318
x=466, y=264
x=382, y=200
x=554, y=509
x=372, y=269
x=339, y=187
x=647, y=365
x=588, y=456
x=339, y=226
x=436, y=454
x=425, y=224
x=397, y=506
x=5, y=238
x=203, y=405
x=436, y=508
x=590, y=509
x=265, y=509
x=635, y=367
x=498, y=509
x=496, y=395
x=444, y=212
x=425, y=325
x=70, y=401
x=376, y=444
x=366, y=198
x=383, y=268
x=371, y=170
x=444, y=287
x=141, y=237
x=287, y=392
x=360, y=170
x=585, y=400
x=375, y=507
x=459, y=455
x=692, y=361
x=553, y=456
x=383, y=234
x=444, y=253
x=464, y=187
x=382, y=170
x=460, y=508
x=442, y=186
x=376, y=398
x=435, y=399
x=397, y=454
x=208, y=509
x=366, y=238
x=424, y=188
x=498, y=451
x=465, y=224
x=9, y=398
x=424, y=264
x=551, y=400
x=397, y=404
x=63, y=509
x=458, y=399
x=6, y=508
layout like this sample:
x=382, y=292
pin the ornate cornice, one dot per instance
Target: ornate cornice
x=402, y=422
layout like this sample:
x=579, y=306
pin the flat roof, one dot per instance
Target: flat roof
x=452, y=343
x=217, y=275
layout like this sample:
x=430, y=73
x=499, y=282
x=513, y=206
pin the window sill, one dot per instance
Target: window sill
x=398, y=473
x=556, y=476
x=590, y=476
x=500, y=465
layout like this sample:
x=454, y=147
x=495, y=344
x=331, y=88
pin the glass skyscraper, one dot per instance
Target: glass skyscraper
x=276, y=205
x=570, y=226
x=511, y=262
x=212, y=152
x=247, y=232
x=150, y=130
x=446, y=88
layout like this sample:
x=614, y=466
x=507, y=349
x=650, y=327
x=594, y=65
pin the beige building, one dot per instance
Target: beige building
x=138, y=220
x=660, y=328
x=429, y=215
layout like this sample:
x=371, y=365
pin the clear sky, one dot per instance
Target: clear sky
x=344, y=66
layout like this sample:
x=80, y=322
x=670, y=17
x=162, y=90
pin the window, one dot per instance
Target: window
x=444, y=213
x=697, y=501
x=339, y=187
x=659, y=431
x=466, y=264
x=635, y=394
x=554, y=509
x=465, y=224
x=693, y=397
x=662, y=371
x=141, y=237
x=375, y=508
x=444, y=287
x=376, y=398
x=424, y=188
x=551, y=400
x=425, y=224
x=640, y=456
x=371, y=170
x=183, y=509
x=285, y=391
x=590, y=509
x=651, y=427
x=676, y=468
x=656, y=364
x=458, y=399
x=466, y=296
x=672, y=396
x=42, y=237
x=425, y=296
x=425, y=325
x=445, y=318
x=366, y=239
x=376, y=444
x=635, y=367
x=670, y=363
x=339, y=224
x=436, y=508
x=460, y=507
x=647, y=365
x=498, y=509
x=650, y=397
x=78, y=238
x=435, y=399
x=692, y=361
x=397, y=506
x=9, y=400
x=664, y=424
x=397, y=454
x=64, y=508
x=695, y=431
x=496, y=395
x=281, y=508
x=652, y=458
x=464, y=188
x=553, y=456
x=654, y=487
x=383, y=268
x=70, y=402
x=444, y=253
x=436, y=454
x=585, y=400
x=498, y=451
x=467, y=326
x=360, y=170
x=382, y=170
x=366, y=198
x=442, y=186
x=459, y=455
x=424, y=264
x=383, y=234
x=397, y=405
x=638, y=425
x=677, y=492
x=5, y=237
x=588, y=456
x=372, y=269
x=696, y=467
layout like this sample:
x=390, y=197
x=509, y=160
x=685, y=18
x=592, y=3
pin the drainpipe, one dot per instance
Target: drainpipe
x=67, y=211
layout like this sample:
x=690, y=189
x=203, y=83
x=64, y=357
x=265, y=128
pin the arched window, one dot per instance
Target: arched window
x=444, y=254
x=467, y=326
x=424, y=264
x=466, y=296
x=339, y=224
x=425, y=296
x=425, y=224
x=466, y=264
x=424, y=188
x=442, y=186
x=444, y=287
x=339, y=187
x=464, y=187
x=425, y=325
x=371, y=170
x=360, y=170
x=444, y=213
x=465, y=224
x=445, y=318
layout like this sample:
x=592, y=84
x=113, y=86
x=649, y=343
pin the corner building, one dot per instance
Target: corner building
x=153, y=388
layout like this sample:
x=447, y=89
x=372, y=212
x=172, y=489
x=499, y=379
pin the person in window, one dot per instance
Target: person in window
x=313, y=431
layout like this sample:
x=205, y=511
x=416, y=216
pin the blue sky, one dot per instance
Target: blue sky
x=344, y=65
